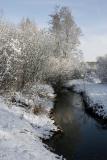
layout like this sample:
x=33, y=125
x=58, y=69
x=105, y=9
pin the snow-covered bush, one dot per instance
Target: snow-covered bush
x=22, y=55
x=29, y=54
x=38, y=98
x=60, y=69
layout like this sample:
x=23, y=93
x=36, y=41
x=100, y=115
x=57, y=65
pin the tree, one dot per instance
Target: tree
x=66, y=32
x=66, y=57
x=102, y=68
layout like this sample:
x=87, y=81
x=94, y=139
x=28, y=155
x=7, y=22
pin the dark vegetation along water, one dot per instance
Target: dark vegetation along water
x=84, y=138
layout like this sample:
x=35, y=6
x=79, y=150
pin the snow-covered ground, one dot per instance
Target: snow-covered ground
x=95, y=95
x=21, y=132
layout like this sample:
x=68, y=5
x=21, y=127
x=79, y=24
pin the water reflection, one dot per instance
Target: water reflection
x=84, y=138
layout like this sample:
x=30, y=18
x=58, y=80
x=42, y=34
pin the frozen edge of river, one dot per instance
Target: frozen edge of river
x=94, y=96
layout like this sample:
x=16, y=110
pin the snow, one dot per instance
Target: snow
x=21, y=133
x=95, y=95
x=39, y=95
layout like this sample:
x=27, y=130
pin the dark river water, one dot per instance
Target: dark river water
x=84, y=138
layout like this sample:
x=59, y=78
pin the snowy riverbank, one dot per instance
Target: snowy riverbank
x=94, y=94
x=21, y=131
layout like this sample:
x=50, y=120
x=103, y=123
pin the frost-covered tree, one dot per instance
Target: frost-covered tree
x=23, y=54
x=7, y=51
x=35, y=45
x=66, y=58
x=102, y=68
x=65, y=30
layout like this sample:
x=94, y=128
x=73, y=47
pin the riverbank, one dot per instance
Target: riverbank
x=24, y=122
x=94, y=96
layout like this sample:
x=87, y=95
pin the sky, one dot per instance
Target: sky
x=90, y=16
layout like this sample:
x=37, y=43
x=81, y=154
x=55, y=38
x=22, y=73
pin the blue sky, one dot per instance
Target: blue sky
x=90, y=15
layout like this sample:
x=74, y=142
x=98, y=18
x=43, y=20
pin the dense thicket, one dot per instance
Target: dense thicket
x=29, y=54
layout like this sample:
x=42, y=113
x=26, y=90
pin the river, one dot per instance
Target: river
x=84, y=138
